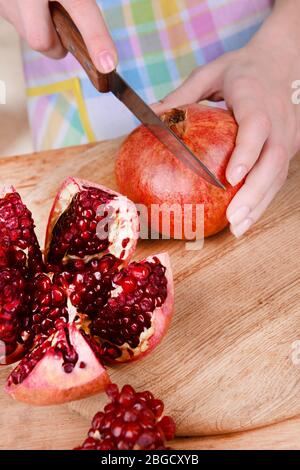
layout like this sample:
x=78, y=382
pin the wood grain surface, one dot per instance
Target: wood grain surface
x=226, y=365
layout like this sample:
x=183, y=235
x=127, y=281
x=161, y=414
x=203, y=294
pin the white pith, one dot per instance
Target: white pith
x=125, y=224
x=122, y=228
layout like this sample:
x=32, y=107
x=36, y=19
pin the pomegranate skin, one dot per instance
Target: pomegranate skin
x=148, y=173
x=48, y=384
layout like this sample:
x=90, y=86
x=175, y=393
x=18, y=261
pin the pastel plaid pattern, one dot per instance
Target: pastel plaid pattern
x=159, y=43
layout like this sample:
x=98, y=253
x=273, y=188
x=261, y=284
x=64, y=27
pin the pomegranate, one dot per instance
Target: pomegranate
x=131, y=421
x=83, y=306
x=157, y=177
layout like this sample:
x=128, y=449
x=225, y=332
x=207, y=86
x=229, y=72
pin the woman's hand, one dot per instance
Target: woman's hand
x=32, y=20
x=256, y=83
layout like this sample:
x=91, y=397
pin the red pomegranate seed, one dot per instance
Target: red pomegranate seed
x=168, y=427
x=157, y=407
x=57, y=297
x=129, y=424
x=77, y=226
x=111, y=306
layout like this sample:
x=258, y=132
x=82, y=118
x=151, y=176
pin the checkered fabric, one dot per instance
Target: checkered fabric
x=159, y=42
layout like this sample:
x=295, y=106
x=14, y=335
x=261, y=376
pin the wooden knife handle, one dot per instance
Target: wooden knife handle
x=72, y=40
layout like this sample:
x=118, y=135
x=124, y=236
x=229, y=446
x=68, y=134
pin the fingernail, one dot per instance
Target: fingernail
x=237, y=174
x=239, y=230
x=106, y=62
x=239, y=215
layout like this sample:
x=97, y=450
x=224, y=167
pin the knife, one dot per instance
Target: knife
x=72, y=40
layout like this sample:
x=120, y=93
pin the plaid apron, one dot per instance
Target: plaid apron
x=159, y=43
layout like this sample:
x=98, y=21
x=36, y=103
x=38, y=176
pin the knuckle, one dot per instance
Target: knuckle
x=195, y=73
x=76, y=4
x=280, y=106
x=280, y=155
x=39, y=41
x=263, y=121
x=96, y=41
x=244, y=82
x=245, y=89
x=257, y=194
x=240, y=82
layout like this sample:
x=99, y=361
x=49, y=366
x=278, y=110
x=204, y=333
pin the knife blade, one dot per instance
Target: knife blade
x=72, y=40
x=120, y=88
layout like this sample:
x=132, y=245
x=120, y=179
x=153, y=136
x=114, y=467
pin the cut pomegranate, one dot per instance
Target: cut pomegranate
x=20, y=259
x=19, y=247
x=80, y=213
x=13, y=314
x=84, y=306
x=131, y=421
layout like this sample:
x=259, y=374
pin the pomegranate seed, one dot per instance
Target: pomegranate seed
x=89, y=443
x=157, y=407
x=125, y=242
x=168, y=427
x=117, y=428
x=137, y=428
x=68, y=368
x=107, y=444
x=111, y=306
x=132, y=432
x=113, y=392
x=122, y=445
x=140, y=271
x=130, y=416
x=146, y=440
x=97, y=420
x=127, y=396
x=57, y=297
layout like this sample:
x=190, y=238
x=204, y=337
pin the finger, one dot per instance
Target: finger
x=254, y=130
x=202, y=83
x=255, y=215
x=11, y=13
x=87, y=17
x=38, y=28
x=258, y=183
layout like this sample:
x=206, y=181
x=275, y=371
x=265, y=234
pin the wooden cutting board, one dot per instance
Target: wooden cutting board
x=226, y=364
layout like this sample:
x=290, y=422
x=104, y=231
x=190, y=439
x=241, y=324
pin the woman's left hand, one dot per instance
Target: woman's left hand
x=256, y=83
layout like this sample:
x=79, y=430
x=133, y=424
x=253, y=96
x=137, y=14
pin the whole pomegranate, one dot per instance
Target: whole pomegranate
x=149, y=174
x=82, y=306
x=131, y=421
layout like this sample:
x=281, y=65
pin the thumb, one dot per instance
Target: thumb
x=204, y=82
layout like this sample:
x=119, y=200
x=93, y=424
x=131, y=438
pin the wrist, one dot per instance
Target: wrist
x=279, y=36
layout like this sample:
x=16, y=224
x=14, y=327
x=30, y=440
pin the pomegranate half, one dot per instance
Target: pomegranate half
x=149, y=174
x=83, y=305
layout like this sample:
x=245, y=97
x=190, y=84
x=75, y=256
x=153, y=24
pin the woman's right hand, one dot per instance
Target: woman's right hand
x=32, y=20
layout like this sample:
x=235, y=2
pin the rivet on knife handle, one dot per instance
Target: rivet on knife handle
x=72, y=40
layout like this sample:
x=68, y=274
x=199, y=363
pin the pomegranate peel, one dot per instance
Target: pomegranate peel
x=40, y=387
x=158, y=179
x=83, y=307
